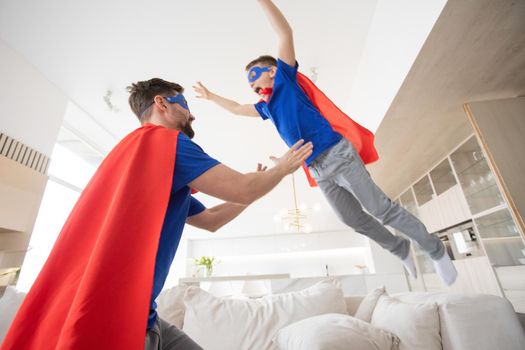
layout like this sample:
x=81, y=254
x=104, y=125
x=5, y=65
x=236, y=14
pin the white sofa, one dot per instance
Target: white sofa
x=320, y=318
x=420, y=320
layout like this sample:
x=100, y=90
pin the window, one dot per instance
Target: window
x=68, y=175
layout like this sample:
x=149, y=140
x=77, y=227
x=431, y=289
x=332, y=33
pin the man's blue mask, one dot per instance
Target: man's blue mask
x=179, y=99
x=255, y=73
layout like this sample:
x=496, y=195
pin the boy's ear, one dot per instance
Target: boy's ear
x=273, y=70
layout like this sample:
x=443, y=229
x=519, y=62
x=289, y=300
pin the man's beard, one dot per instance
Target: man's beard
x=187, y=130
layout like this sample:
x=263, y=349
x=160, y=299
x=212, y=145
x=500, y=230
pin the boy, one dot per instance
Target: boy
x=341, y=147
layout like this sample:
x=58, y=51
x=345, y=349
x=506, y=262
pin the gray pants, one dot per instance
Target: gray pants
x=164, y=336
x=348, y=187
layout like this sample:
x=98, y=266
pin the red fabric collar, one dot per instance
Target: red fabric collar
x=265, y=94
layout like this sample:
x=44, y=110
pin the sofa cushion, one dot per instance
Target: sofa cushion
x=334, y=332
x=416, y=325
x=216, y=323
x=170, y=305
x=366, y=308
x=9, y=304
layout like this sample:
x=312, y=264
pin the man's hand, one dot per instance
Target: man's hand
x=201, y=91
x=294, y=157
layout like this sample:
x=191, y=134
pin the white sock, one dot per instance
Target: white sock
x=446, y=269
x=409, y=265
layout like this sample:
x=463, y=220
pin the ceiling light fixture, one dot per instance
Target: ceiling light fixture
x=295, y=219
x=111, y=106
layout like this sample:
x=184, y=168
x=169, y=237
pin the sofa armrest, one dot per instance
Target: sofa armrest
x=477, y=321
x=482, y=322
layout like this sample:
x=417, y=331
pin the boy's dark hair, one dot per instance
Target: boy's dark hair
x=142, y=94
x=265, y=59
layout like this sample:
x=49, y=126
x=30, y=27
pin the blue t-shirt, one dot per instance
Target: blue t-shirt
x=294, y=115
x=190, y=163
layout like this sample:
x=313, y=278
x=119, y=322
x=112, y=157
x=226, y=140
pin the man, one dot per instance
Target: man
x=300, y=110
x=98, y=286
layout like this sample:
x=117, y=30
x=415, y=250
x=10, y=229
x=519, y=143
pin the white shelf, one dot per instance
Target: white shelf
x=194, y=280
x=500, y=238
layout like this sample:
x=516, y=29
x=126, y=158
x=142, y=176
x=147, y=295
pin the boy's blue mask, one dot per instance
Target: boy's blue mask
x=255, y=73
x=179, y=99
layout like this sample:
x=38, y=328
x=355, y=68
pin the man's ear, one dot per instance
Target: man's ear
x=159, y=101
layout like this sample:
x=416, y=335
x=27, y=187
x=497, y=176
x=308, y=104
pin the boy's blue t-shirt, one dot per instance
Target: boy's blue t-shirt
x=294, y=115
x=191, y=162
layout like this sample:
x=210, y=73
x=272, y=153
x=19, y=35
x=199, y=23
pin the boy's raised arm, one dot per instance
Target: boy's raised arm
x=280, y=25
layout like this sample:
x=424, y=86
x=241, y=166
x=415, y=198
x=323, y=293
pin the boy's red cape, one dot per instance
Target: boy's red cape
x=361, y=137
x=94, y=291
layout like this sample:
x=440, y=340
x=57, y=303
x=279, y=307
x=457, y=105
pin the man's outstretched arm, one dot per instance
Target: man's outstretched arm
x=280, y=25
x=231, y=186
x=215, y=217
x=234, y=107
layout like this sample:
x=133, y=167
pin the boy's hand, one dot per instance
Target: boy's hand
x=294, y=157
x=261, y=167
x=201, y=91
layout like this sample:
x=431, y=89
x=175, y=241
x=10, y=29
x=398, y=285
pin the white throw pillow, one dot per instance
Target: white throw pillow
x=238, y=324
x=416, y=325
x=170, y=305
x=9, y=304
x=366, y=308
x=334, y=332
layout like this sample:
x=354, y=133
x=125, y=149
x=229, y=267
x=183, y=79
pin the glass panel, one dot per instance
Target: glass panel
x=408, y=202
x=475, y=177
x=506, y=251
x=442, y=177
x=501, y=238
x=497, y=224
x=423, y=190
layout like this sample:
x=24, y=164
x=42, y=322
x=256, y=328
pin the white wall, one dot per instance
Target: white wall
x=299, y=254
x=32, y=108
x=398, y=31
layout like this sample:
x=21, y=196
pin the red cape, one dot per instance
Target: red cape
x=94, y=291
x=361, y=137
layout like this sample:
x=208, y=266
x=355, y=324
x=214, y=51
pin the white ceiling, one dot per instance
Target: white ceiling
x=88, y=47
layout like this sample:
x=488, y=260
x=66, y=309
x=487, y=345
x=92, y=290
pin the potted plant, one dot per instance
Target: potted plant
x=207, y=262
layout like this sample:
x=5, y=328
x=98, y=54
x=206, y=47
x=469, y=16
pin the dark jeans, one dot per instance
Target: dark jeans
x=164, y=336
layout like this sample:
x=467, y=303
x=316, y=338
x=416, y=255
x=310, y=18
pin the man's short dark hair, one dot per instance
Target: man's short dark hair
x=266, y=59
x=142, y=94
